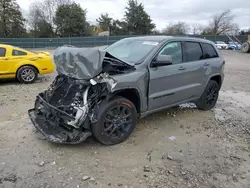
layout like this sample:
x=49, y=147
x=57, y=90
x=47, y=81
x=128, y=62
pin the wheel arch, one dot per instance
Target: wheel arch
x=131, y=94
x=217, y=78
x=27, y=65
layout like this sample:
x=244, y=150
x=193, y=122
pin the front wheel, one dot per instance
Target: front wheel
x=116, y=121
x=209, y=97
x=27, y=74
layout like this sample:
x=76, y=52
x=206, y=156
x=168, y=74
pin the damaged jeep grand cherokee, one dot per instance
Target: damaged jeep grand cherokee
x=102, y=92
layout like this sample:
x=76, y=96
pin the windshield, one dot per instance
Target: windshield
x=132, y=50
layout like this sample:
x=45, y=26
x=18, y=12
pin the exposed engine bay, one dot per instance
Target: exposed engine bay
x=65, y=111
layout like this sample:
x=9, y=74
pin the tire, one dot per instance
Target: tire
x=245, y=48
x=117, y=129
x=27, y=74
x=209, y=97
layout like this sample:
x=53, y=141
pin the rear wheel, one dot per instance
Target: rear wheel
x=209, y=97
x=116, y=121
x=27, y=74
x=245, y=48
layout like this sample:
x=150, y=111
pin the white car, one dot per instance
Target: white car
x=221, y=45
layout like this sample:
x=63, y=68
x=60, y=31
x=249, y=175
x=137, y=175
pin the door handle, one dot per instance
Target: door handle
x=206, y=64
x=182, y=68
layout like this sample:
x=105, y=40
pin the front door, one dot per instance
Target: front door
x=3, y=61
x=174, y=83
x=165, y=81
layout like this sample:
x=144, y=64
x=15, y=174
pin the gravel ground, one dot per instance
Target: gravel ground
x=208, y=149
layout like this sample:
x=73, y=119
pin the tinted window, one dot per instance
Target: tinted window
x=194, y=52
x=208, y=51
x=17, y=52
x=173, y=49
x=2, y=52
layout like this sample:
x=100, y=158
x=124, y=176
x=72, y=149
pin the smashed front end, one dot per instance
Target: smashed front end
x=65, y=111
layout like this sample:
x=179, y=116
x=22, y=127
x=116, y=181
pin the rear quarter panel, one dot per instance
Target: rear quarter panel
x=43, y=65
x=46, y=65
x=216, y=68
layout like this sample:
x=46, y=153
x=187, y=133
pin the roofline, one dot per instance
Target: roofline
x=195, y=39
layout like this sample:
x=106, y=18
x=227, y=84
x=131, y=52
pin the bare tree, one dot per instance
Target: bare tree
x=196, y=28
x=180, y=28
x=43, y=12
x=222, y=23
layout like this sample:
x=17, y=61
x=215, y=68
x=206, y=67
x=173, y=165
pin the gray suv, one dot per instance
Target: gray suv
x=103, y=92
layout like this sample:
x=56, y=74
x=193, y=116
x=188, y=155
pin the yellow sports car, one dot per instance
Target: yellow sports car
x=23, y=64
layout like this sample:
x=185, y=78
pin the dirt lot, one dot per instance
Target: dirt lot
x=209, y=149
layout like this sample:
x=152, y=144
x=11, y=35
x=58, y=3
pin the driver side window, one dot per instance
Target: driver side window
x=174, y=50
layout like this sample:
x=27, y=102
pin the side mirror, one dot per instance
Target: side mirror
x=162, y=60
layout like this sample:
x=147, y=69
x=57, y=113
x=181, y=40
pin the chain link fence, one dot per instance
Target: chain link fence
x=90, y=41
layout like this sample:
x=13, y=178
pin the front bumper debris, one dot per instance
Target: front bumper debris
x=56, y=134
x=64, y=112
x=51, y=126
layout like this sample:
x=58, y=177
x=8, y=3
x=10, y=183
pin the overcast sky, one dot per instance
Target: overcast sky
x=163, y=12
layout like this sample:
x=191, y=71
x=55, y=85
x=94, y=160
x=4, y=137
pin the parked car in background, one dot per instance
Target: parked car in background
x=102, y=92
x=221, y=45
x=234, y=46
x=24, y=65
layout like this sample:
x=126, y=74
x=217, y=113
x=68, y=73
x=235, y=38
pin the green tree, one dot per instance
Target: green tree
x=115, y=27
x=118, y=27
x=71, y=20
x=105, y=22
x=42, y=29
x=11, y=19
x=137, y=20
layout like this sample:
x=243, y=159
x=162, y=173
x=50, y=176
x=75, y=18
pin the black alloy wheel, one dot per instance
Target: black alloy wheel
x=115, y=122
x=209, y=97
x=212, y=95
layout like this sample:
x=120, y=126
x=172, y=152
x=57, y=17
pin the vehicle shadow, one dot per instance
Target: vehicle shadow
x=149, y=122
x=12, y=81
x=8, y=81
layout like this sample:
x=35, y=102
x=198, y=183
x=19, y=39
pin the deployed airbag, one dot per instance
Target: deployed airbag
x=79, y=63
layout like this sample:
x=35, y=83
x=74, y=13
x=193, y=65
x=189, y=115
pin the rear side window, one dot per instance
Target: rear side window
x=193, y=51
x=208, y=51
x=18, y=53
x=2, y=52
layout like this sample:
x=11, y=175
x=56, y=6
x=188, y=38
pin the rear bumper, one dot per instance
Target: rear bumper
x=47, y=70
x=53, y=131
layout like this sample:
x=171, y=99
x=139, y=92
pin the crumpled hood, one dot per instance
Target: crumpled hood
x=80, y=63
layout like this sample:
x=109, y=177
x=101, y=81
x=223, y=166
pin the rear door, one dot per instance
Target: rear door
x=211, y=59
x=194, y=65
